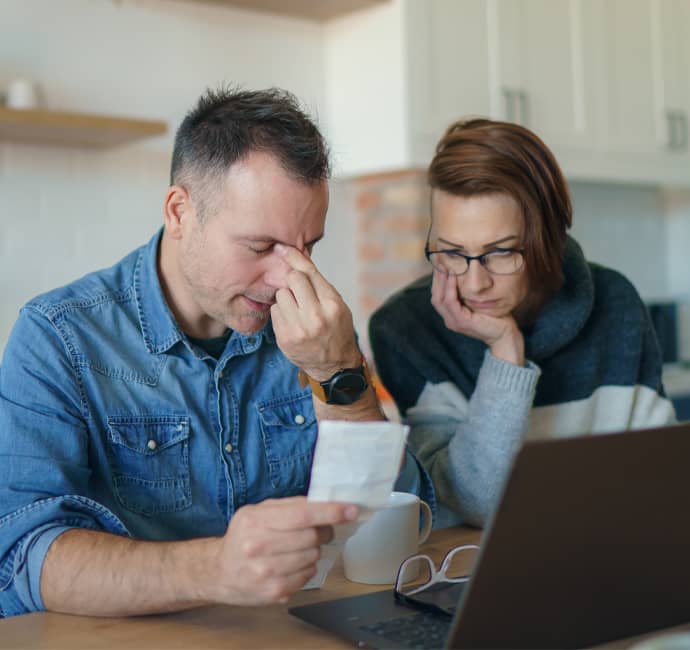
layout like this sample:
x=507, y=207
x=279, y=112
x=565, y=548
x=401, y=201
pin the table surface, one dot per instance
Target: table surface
x=212, y=627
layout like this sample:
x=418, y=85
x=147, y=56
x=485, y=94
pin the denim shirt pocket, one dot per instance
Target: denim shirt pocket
x=288, y=427
x=149, y=456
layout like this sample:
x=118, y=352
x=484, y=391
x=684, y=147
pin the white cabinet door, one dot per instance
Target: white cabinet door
x=605, y=83
x=539, y=68
x=672, y=32
x=629, y=82
x=643, y=88
x=448, y=67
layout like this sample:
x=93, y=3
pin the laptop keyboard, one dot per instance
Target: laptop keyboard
x=423, y=630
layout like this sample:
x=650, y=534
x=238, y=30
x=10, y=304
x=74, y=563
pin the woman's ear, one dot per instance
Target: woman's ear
x=177, y=207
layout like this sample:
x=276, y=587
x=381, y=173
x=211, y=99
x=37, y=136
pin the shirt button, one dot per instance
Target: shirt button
x=152, y=444
x=299, y=419
x=251, y=340
x=180, y=427
x=228, y=448
x=220, y=374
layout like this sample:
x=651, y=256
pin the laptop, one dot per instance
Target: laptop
x=590, y=543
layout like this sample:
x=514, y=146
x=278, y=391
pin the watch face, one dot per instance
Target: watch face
x=347, y=387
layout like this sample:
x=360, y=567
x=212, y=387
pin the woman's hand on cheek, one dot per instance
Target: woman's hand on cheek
x=501, y=334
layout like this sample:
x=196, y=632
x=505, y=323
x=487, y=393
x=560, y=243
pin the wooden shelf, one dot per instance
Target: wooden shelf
x=73, y=129
x=319, y=10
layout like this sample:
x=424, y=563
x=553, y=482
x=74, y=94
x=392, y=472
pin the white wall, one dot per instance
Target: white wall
x=365, y=88
x=677, y=210
x=64, y=212
x=623, y=227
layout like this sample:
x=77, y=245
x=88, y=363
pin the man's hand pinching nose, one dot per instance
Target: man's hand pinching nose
x=312, y=323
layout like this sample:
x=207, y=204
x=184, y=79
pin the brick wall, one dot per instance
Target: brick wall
x=392, y=211
x=392, y=220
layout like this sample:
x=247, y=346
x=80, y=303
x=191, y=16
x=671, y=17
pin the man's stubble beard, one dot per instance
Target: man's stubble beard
x=259, y=315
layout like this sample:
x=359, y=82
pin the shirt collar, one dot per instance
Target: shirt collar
x=159, y=328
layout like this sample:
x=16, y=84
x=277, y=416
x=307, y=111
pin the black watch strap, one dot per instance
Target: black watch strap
x=345, y=387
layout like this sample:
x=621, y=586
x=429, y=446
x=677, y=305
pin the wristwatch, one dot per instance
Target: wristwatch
x=344, y=387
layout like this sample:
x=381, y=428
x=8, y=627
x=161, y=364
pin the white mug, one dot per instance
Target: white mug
x=375, y=552
x=21, y=94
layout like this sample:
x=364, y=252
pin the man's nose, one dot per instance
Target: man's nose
x=477, y=278
x=276, y=272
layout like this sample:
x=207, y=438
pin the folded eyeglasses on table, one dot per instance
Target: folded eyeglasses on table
x=421, y=585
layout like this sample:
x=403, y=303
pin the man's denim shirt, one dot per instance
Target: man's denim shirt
x=111, y=420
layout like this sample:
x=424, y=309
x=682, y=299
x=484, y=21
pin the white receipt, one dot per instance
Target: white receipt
x=354, y=462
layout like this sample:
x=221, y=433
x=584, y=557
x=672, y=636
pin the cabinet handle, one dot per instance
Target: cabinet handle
x=672, y=121
x=509, y=97
x=524, y=108
x=683, y=121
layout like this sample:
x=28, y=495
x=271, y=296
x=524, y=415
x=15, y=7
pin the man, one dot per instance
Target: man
x=145, y=406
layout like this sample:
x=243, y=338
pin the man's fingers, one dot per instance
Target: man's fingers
x=296, y=259
x=298, y=513
x=285, y=542
x=303, y=316
x=296, y=561
x=303, y=290
x=278, y=319
x=325, y=534
x=284, y=576
x=286, y=304
x=300, y=262
x=295, y=582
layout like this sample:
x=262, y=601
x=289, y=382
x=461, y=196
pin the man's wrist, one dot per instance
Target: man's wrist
x=346, y=386
x=324, y=372
x=203, y=561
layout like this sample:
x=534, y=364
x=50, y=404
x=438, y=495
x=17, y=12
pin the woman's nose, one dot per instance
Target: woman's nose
x=477, y=278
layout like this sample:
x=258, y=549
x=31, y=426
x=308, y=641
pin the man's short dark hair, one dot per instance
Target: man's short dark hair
x=228, y=123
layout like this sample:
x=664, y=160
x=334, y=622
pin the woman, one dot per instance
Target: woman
x=514, y=334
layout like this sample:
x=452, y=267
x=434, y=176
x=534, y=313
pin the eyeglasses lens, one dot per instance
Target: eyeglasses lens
x=448, y=263
x=503, y=263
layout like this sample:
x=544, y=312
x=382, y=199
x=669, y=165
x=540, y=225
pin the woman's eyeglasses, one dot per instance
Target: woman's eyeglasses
x=420, y=584
x=501, y=261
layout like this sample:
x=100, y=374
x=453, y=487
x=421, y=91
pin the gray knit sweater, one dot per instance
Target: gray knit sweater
x=593, y=366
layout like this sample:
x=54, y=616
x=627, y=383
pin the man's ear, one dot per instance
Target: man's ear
x=176, y=208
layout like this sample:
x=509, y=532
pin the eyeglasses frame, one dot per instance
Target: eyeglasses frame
x=437, y=576
x=480, y=258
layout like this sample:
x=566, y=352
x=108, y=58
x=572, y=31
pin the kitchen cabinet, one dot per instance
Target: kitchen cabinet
x=606, y=84
x=449, y=65
x=643, y=87
x=646, y=57
x=73, y=129
x=517, y=60
x=673, y=25
x=540, y=79
x=521, y=61
x=629, y=76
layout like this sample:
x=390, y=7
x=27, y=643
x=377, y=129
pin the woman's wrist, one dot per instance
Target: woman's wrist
x=510, y=347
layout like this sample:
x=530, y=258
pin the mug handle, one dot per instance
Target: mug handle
x=426, y=528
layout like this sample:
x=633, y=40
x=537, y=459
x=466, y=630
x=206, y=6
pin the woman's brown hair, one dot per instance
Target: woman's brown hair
x=481, y=156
